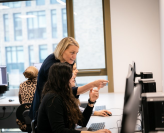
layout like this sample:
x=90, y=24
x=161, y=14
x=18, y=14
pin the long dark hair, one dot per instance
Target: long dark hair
x=58, y=83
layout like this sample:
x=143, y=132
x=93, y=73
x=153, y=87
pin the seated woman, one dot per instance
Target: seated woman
x=27, y=90
x=58, y=111
x=95, y=113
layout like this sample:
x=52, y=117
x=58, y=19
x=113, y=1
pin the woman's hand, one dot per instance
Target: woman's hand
x=94, y=94
x=102, y=131
x=100, y=83
x=102, y=113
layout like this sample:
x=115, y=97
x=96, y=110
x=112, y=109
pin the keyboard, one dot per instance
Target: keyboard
x=96, y=126
x=97, y=108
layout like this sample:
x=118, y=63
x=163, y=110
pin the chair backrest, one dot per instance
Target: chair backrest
x=22, y=115
x=27, y=120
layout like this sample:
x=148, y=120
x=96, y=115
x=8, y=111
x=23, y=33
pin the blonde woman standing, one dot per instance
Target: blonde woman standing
x=66, y=51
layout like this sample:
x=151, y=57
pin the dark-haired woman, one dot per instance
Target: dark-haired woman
x=58, y=111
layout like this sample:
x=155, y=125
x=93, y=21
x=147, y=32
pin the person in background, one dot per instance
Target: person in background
x=66, y=51
x=95, y=113
x=28, y=87
x=26, y=92
x=59, y=111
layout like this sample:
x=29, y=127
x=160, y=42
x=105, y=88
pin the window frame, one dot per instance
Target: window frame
x=108, y=70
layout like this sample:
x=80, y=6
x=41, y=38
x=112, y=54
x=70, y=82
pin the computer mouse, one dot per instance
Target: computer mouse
x=10, y=100
x=109, y=114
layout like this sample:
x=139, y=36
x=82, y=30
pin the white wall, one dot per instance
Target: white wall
x=135, y=37
x=162, y=35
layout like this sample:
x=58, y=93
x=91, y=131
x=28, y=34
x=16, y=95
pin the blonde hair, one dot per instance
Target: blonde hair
x=31, y=72
x=63, y=45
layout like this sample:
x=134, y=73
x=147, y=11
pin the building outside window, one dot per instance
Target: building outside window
x=30, y=33
x=17, y=26
x=54, y=46
x=54, y=23
x=28, y=3
x=12, y=4
x=42, y=53
x=6, y=27
x=40, y=2
x=57, y=1
x=31, y=55
x=15, y=59
x=64, y=22
x=36, y=25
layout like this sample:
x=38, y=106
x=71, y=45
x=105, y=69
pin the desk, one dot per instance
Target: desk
x=113, y=103
x=9, y=122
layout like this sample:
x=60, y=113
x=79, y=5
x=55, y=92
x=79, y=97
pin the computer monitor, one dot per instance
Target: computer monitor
x=37, y=65
x=130, y=112
x=3, y=80
x=129, y=84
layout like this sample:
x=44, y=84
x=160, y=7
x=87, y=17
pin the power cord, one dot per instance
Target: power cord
x=8, y=115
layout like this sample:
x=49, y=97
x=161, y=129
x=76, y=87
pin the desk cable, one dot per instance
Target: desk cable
x=8, y=115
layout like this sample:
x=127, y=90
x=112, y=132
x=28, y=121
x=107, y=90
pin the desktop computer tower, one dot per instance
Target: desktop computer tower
x=153, y=112
x=148, y=85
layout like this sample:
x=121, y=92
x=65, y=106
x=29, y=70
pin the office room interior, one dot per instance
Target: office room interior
x=135, y=32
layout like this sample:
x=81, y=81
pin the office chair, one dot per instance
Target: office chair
x=23, y=120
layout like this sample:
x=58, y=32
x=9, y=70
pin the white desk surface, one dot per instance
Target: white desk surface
x=5, y=101
x=114, y=103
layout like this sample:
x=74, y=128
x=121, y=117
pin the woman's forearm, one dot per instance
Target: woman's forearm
x=85, y=88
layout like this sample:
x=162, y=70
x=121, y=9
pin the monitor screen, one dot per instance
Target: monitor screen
x=130, y=112
x=129, y=84
x=37, y=65
x=3, y=80
x=3, y=75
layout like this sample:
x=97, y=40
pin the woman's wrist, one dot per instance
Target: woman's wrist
x=91, y=101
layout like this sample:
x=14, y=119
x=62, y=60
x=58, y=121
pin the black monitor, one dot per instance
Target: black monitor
x=129, y=84
x=3, y=80
x=130, y=112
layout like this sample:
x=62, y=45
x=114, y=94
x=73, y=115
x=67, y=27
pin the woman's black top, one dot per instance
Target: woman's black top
x=42, y=78
x=52, y=116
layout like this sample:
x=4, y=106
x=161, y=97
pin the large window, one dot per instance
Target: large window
x=89, y=33
x=15, y=59
x=39, y=22
x=12, y=4
x=31, y=55
x=64, y=22
x=42, y=53
x=17, y=26
x=88, y=25
x=25, y=25
x=36, y=25
x=6, y=27
x=54, y=23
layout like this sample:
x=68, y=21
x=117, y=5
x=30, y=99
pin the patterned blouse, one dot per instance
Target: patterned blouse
x=27, y=90
x=26, y=94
